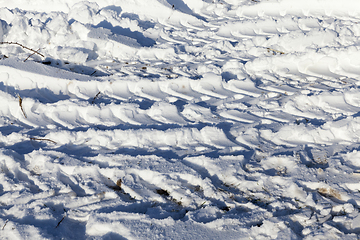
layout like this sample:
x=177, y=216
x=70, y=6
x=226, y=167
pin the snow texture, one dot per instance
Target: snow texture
x=179, y=119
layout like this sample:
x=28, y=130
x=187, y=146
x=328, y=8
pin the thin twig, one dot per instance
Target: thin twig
x=95, y=97
x=7, y=220
x=30, y=55
x=16, y=43
x=21, y=107
x=43, y=139
x=60, y=221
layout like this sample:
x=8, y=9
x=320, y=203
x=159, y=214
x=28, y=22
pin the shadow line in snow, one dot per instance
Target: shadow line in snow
x=143, y=24
x=179, y=5
x=162, y=127
x=43, y=95
x=74, y=67
x=48, y=226
x=118, y=31
x=70, y=70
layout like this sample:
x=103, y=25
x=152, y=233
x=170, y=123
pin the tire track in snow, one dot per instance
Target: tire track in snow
x=219, y=123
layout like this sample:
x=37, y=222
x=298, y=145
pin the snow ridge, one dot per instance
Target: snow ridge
x=179, y=119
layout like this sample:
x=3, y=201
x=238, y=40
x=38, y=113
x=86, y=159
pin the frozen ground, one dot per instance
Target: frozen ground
x=180, y=119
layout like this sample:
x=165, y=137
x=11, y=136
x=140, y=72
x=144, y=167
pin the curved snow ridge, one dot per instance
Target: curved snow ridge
x=319, y=8
x=268, y=27
x=48, y=88
x=73, y=113
x=346, y=131
x=156, y=183
x=89, y=30
x=337, y=103
x=182, y=140
x=318, y=107
x=334, y=65
x=82, y=9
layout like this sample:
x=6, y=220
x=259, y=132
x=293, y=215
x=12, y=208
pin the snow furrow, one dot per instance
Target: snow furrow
x=131, y=119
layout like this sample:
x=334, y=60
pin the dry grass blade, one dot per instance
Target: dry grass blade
x=118, y=186
x=274, y=51
x=329, y=192
x=21, y=107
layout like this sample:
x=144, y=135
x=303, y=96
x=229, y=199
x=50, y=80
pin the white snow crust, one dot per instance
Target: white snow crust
x=180, y=119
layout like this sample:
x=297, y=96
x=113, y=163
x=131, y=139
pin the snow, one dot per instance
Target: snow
x=164, y=119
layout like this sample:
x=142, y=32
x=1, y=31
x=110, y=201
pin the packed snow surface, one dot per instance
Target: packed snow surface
x=180, y=119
